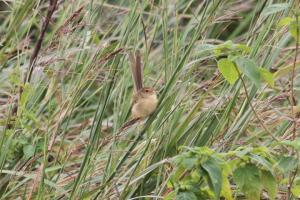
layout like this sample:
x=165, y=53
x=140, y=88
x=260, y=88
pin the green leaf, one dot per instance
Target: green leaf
x=295, y=143
x=274, y=8
x=267, y=76
x=250, y=69
x=261, y=161
x=204, y=151
x=226, y=191
x=248, y=180
x=223, y=48
x=28, y=151
x=205, y=49
x=296, y=188
x=186, y=196
x=287, y=163
x=195, y=175
x=269, y=183
x=228, y=70
x=212, y=167
x=189, y=162
x=285, y=21
x=243, y=47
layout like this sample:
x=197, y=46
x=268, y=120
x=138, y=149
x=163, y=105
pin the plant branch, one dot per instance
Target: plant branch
x=252, y=107
x=38, y=45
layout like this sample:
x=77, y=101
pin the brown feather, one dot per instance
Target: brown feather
x=132, y=65
x=139, y=70
x=136, y=68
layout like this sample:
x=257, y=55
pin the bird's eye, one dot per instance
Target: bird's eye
x=147, y=90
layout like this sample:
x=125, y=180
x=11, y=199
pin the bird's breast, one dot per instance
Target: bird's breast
x=144, y=106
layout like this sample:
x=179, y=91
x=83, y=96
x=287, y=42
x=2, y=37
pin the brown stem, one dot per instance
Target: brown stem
x=28, y=74
x=252, y=107
x=51, y=9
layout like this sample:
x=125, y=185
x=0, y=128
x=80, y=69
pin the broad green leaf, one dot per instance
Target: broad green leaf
x=269, y=183
x=274, y=8
x=295, y=143
x=212, y=167
x=223, y=48
x=228, y=70
x=217, y=52
x=296, y=187
x=186, y=196
x=267, y=76
x=285, y=21
x=204, y=151
x=195, y=175
x=296, y=190
x=189, y=162
x=205, y=49
x=287, y=163
x=248, y=180
x=226, y=191
x=250, y=69
x=261, y=160
x=244, y=48
x=262, y=150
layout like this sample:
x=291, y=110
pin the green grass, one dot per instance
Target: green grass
x=64, y=142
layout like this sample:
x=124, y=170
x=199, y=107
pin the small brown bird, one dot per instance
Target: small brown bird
x=144, y=100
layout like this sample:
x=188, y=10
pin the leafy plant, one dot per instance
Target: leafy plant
x=293, y=24
x=237, y=64
x=203, y=173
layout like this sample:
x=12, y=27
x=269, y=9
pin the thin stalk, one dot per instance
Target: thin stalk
x=253, y=109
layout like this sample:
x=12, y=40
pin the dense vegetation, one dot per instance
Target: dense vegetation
x=227, y=123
